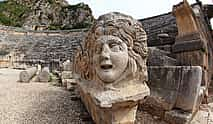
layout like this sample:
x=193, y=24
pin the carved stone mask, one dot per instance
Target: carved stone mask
x=110, y=58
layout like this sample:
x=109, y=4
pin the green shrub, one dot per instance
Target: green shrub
x=12, y=14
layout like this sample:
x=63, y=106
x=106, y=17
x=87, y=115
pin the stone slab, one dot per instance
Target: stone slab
x=164, y=83
x=190, y=92
x=175, y=86
x=159, y=57
x=185, y=46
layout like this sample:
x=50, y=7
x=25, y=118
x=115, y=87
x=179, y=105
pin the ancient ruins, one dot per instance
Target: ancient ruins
x=156, y=70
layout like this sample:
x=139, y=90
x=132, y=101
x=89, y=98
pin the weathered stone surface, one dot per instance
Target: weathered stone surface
x=26, y=75
x=185, y=18
x=146, y=118
x=71, y=84
x=185, y=46
x=193, y=58
x=159, y=57
x=157, y=25
x=167, y=48
x=193, y=43
x=175, y=86
x=203, y=116
x=44, y=75
x=112, y=106
x=112, y=69
x=67, y=66
x=164, y=83
x=66, y=75
x=190, y=92
x=178, y=117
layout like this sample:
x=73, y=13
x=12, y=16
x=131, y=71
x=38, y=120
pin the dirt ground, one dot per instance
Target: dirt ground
x=37, y=103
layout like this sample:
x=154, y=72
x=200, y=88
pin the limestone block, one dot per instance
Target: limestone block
x=185, y=46
x=44, y=75
x=67, y=66
x=112, y=106
x=164, y=84
x=66, y=75
x=159, y=57
x=27, y=75
x=176, y=86
x=190, y=92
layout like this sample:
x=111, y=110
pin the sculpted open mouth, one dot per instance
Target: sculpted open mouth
x=106, y=66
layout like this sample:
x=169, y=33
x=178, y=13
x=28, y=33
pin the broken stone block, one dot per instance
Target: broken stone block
x=44, y=75
x=27, y=75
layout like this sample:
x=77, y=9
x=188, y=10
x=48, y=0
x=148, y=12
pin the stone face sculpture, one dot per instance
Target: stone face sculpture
x=112, y=68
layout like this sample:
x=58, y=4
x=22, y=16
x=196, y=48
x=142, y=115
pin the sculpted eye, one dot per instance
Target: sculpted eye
x=115, y=47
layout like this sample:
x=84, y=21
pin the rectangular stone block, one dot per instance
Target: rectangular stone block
x=66, y=75
x=185, y=46
x=188, y=37
x=164, y=83
x=175, y=86
x=190, y=91
x=159, y=57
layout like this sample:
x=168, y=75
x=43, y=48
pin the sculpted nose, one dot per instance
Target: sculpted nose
x=105, y=53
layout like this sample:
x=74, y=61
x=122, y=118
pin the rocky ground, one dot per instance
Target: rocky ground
x=38, y=103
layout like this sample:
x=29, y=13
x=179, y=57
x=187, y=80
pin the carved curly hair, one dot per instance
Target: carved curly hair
x=129, y=30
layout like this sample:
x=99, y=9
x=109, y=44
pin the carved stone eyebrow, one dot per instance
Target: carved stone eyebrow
x=114, y=41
